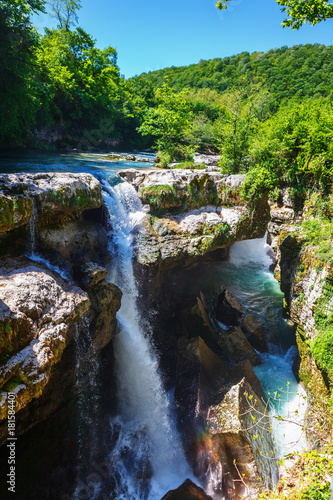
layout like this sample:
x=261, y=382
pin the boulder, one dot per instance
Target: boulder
x=256, y=332
x=228, y=309
x=240, y=441
x=237, y=347
x=187, y=491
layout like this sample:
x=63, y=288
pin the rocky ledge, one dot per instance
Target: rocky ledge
x=191, y=213
x=58, y=197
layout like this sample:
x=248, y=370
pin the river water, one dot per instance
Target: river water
x=147, y=438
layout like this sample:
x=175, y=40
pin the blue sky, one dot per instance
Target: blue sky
x=154, y=34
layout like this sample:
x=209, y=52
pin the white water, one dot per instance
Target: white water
x=147, y=433
x=275, y=373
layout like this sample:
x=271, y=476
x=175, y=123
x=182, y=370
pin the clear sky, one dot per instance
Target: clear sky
x=154, y=34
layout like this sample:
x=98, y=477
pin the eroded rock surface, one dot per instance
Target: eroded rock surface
x=37, y=309
x=58, y=197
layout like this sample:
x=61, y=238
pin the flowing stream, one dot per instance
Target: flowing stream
x=146, y=436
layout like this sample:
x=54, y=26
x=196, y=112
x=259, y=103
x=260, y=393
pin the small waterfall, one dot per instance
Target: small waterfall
x=255, y=251
x=32, y=242
x=32, y=231
x=147, y=448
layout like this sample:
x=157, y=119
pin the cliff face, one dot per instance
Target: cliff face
x=305, y=280
x=41, y=312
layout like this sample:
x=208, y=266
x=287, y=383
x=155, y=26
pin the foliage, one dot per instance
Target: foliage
x=302, y=11
x=296, y=144
x=259, y=182
x=65, y=11
x=18, y=43
x=167, y=121
x=79, y=84
x=309, y=477
x=301, y=71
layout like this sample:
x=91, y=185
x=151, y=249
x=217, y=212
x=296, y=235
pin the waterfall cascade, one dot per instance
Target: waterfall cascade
x=147, y=448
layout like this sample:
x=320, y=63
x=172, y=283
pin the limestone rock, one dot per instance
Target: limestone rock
x=37, y=309
x=190, y=218
x=235, y=434
x=75, y=242
x=187, y=491
x=58, y=197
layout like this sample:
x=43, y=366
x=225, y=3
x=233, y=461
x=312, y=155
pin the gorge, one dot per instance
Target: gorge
x=142, y=330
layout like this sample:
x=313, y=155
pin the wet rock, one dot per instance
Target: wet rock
x=187, y=491
x=75, y=243
x=228, y=309
x=237, y=347
x=256, y=332
x=105, y=301
x=37, y=309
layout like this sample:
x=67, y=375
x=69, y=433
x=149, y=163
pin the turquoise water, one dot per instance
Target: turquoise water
x=93, y=163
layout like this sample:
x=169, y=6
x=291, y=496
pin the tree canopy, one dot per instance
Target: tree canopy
x=299, y=11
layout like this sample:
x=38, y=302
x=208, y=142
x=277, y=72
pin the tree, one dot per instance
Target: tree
x=66, y=12
x=18, y=46
x=80, y=84
x=167, y=121
x=302, y=11
x=299, y=11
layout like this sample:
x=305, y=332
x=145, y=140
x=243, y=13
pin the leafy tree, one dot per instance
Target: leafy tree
x=80, y=84
x=18, y=45
x=65, y=11
x=167, y=121
x=302, y=11
x=299, y=11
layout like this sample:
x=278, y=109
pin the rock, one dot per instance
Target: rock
x=187, y=491
x=282, y=214
x=228, y=309
x=92, y=273
x=201, y=225
x=236, y=346
x=16, y=206
x=75, y=243
x=59, y=197
x=37, y=309
x=237, y=438
x=130, y=158
x=105, y=301
x=256, y=332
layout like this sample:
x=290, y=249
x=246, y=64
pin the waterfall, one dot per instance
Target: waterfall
x=255, y=251
x=147, y=448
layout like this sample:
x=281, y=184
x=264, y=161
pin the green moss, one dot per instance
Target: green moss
x=160, y=197
x=11, y=385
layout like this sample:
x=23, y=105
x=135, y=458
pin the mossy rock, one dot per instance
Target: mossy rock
x=15, y=211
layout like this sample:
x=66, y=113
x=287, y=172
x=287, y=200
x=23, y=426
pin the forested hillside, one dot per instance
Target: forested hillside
x=300, y=71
